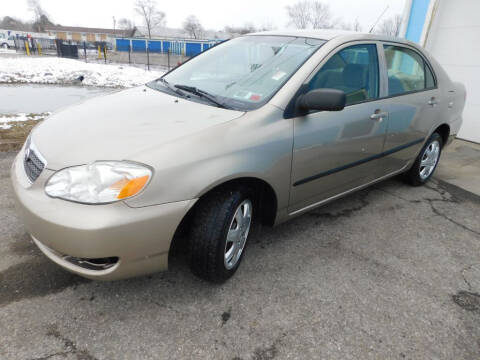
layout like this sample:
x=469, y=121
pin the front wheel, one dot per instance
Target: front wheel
x=426, y=162
x=219, y=233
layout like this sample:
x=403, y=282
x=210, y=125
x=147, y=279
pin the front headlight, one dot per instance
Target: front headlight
x=99, y=183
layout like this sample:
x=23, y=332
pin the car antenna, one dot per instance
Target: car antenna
x=376, y=22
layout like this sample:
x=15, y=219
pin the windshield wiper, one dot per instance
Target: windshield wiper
x=203, y=94
x=172, y=87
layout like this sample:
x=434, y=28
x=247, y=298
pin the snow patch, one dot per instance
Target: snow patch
x=5, y=119
x=7, y=51
x=63, y=71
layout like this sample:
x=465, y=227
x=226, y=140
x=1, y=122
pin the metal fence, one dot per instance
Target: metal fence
x=175, y=47
x=37, y=46
x=156, y=54
x=165, y=53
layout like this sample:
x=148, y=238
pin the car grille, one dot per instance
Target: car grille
x=33, y=164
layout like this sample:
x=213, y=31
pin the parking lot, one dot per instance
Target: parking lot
x=391, y=272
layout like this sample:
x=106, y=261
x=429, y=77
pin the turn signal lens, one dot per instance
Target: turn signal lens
x=132, y=187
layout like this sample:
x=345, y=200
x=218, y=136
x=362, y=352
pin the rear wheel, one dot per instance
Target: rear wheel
x=426, y=162
x=219, y=233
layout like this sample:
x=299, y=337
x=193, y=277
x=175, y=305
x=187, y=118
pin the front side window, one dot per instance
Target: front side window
x=243, y=73
x=353, y=70
x=407, y=71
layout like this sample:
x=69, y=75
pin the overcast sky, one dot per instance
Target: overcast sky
x=213, y=14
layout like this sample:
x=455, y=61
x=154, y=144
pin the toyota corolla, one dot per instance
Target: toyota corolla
x=256, y=130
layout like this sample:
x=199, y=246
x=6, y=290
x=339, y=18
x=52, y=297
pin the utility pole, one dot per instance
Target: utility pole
x=113, y=25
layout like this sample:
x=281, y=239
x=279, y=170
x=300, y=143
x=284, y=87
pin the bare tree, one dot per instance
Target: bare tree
x=152, y=17
x=320, y=15
x=299, y=14
x=40, y=16
x=267, y=25
x=390, y=26
x=11, y=23
x=36, y=8
x=125, y=24
x=311, y=14
x=354, y=26
x=193, y=27
x=240, y=30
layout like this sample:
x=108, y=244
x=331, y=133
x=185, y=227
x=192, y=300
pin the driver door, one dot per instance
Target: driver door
x=334, y=152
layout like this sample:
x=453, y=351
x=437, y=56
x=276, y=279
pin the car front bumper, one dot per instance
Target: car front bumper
x=139, y=238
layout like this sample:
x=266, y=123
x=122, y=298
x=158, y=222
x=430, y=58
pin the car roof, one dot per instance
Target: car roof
x=322, y=34
x=329, y=34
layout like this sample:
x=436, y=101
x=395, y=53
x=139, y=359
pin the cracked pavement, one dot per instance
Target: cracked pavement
x=391, y=272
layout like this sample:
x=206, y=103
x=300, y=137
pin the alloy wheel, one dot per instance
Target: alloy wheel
x=429, y=159
x=237, y=234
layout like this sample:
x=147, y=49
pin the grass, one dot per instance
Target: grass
x=13, y=138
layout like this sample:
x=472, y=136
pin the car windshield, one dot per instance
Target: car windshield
x=243, y=73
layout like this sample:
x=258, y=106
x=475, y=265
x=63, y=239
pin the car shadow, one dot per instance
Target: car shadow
x=37, y=276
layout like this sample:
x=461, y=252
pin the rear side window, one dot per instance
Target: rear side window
x=353, y=70
x=407, y=71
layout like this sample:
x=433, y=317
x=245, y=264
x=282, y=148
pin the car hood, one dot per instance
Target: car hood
x=120, y=126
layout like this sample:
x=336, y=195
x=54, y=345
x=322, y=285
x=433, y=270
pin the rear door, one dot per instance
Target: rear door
x=337, y=151
x=415, y=103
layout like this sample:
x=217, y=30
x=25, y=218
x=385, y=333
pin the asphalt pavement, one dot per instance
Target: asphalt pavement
x=391, y=272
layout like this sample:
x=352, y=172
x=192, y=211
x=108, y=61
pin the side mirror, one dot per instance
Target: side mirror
x=323, y=99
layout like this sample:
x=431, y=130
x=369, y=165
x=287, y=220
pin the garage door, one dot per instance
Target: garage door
x=453, y=40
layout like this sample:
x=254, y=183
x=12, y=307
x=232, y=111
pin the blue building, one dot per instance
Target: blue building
x=188, y=47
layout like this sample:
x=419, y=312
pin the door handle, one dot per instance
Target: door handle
x=378, y=115
x=433, y=102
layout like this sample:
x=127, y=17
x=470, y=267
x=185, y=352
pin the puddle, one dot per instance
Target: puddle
x=31, y=98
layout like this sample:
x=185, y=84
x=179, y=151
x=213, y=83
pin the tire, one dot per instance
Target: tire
x=214, y=220
x=5, y=46
x=419, y=174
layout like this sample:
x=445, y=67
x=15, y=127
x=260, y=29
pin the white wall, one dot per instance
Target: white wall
x=454, y=40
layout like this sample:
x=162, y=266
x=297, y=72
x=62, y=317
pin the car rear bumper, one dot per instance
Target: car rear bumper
x=135, y=240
